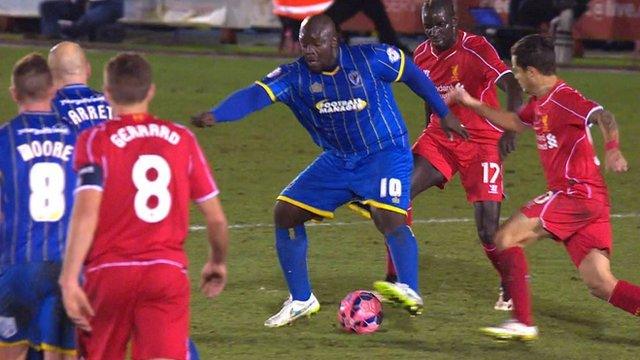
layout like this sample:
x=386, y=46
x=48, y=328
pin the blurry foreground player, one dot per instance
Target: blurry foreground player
x=450, y=57
x=128, y=229
x=575, y=210
x=342, y=96
x=75, y=102
x=36, y=189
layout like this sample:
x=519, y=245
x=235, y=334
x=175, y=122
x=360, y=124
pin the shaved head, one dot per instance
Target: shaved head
x=69, y=64
x=319, y=43
x=440, y=23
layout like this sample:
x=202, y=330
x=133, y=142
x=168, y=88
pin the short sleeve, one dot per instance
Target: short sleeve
x=389, y=62
x=202, y=184
x=488, y=60
x=87, y=150
x=577, y=107
x=527, y=113
x=277, y=83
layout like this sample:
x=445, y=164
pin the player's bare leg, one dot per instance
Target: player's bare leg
x=487, y=215
x=595, y=271
x=510, y=239
x=291, y=245
x=404, y=250
x=17, y=352
x=52, y=355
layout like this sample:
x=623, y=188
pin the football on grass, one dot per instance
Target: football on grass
x=360, y=312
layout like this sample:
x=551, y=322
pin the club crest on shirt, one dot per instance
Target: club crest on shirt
x=544, y=119
x=393, y=54
x=354, y=78
x=316, y=87
x=455, y=73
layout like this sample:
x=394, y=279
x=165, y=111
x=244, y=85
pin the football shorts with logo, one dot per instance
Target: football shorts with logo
x=381, y=180
x=579, y=222
x=31, y=310
x=479, y=164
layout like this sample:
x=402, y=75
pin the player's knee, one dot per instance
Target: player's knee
x=487, y=235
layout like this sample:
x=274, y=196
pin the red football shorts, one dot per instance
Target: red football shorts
x=479, y=165
x=148, y=305
x=580, y=223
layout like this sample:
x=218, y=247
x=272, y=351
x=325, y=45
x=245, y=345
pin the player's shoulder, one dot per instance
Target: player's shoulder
x=474, y=41
x=566, y=93
x=422, y=50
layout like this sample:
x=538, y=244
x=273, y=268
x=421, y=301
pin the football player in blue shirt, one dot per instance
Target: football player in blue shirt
x=36, y=188
x=75, y=102
x=342, y=96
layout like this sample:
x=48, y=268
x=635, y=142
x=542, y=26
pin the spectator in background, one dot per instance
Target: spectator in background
x=98, y=14
x=343, y=10
x=291, y=13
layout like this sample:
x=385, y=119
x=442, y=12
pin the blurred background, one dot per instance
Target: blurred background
x=596, y=32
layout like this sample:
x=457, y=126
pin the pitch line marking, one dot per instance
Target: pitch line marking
x=355, y=223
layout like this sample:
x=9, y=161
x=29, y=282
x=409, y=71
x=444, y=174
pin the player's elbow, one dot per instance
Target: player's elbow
x=217, y=220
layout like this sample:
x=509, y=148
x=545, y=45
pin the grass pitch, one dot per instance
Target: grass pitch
x=254, y=159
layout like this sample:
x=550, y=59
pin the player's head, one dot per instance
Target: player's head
x=69, y=64
x=319, y=42
x=440, y=23
x=31, y=80
x=533, y=59
x=128, y=80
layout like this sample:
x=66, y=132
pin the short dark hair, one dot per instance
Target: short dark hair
x=31, y=78
x=535, y=51
x=127, y=77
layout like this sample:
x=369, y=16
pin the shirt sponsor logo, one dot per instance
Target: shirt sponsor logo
x=330, y=107
x=57, y=129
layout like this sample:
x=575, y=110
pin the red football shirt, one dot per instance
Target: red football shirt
x=473, y=62
x=152, y=168
x=560, y=120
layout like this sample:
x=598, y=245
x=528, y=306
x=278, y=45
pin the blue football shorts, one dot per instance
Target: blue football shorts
x=31, y=310
x=381, y=180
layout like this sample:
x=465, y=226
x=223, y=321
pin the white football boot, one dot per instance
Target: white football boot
x=512, y=330
x=292, y=310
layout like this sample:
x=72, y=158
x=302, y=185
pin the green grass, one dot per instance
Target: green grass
x=254, y=159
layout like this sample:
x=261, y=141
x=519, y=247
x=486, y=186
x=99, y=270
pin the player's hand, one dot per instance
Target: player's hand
x=203, y=119
x=614, y=161
x=460, y=95
x=77, y=306
x=450, y=124
x=507, y=143
x=213, y=278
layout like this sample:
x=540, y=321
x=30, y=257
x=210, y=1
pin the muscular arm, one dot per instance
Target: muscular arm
x=508, y=83
x=214, y=272
x=82, y=227
x=235, y=107
x=507, y=120
x=614, y=160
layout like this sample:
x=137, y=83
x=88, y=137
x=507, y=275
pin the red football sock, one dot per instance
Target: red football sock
x=626, y=296
x=492, y=253
x=516, y=275
x=391, y=269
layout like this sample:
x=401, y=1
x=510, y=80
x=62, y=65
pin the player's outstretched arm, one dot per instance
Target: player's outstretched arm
x=214, y=272
x=613, y=158
x=505, y=119
x=423, y=87
x=508, y=83
x=235, y=107
x=84, y=220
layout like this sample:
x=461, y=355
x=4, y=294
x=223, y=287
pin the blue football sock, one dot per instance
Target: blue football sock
x=193, y=351
x=404, y=252
x=291, y=245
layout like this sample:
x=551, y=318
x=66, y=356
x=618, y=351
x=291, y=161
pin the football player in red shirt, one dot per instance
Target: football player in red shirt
x=575, y=210
x=449, y=57
x=136, y=177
